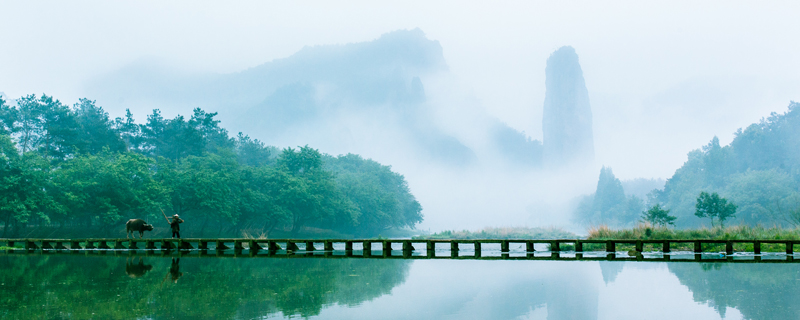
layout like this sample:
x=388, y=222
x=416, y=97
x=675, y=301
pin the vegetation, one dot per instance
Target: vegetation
x=503, y=233
x=759, y=172
x=608, y=205
x=649, y=232
x=713, y=206
x=658, y=216
x=76, y=168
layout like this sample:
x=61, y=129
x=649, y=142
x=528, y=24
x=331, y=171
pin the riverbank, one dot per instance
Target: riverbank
x=649, y=232
x=502, y=233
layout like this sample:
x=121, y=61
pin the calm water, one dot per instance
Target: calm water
x=78, y=286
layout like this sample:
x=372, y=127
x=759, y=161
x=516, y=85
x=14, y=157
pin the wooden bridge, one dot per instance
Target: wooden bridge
x=560, y=249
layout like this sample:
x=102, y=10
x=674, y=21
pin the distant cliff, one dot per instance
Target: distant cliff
x=567, y=118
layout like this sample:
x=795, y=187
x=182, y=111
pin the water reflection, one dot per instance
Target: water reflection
x=136, y=270
x=93, y=286
x=175, y=270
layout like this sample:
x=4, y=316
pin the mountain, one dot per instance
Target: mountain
x=567, y=118
x=370, y=97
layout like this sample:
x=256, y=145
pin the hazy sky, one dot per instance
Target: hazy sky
x=663, y=77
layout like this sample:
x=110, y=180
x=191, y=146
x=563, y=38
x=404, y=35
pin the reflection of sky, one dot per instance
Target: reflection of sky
x=449, y=289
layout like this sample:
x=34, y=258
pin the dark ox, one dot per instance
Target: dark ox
x=137, y=225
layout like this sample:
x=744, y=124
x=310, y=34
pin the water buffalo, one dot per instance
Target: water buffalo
x=137, y=225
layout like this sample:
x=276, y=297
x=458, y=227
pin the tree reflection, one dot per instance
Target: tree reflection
x=64, y=286
x=758, y=291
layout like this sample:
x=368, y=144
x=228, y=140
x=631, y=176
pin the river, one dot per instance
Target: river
x=97, y=286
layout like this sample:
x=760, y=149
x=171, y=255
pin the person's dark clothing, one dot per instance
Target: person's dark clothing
x=176, y=227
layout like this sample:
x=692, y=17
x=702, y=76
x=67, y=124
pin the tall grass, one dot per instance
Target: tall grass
x=650, y=232
x=503, y=233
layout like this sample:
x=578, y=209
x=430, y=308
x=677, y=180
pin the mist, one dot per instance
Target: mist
x=451, y=96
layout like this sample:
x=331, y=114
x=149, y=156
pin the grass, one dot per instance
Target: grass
x=649, y=232
x=502, y=233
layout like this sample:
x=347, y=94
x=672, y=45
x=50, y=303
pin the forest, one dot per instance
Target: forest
x=759, y=172
x=74, y=169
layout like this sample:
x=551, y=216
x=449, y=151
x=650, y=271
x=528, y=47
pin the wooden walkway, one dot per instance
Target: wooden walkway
x=560, y=249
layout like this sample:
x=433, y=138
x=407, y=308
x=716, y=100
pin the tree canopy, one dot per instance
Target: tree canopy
x=75, y=166
x=759, y=171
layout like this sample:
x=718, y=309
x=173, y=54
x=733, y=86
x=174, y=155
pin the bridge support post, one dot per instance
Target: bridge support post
x=757, y=247
x=728, y=247
x=310, y=246
x=639, y=246
x=328, y=245
x=118, y=245
x=454, y=249
x=611, y=246
x=477, y=246
x=103, y=244
x=46, y=245
x=290, y=245
x=366, y=248
x=150, y=245
x=504, y=246
x=220, y=246
x=529, y=247
x=407, y=246
x=386, y=249
x=698, y=247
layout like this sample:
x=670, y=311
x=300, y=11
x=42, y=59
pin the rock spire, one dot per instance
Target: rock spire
x=567, y=119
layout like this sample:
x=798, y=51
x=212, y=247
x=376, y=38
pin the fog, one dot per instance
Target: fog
x=425, y=87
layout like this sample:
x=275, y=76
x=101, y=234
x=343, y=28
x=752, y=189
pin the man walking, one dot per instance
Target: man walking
x=175, y=224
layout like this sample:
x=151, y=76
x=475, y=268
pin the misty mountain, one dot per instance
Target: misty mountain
x=369, y=97
x=567, y=119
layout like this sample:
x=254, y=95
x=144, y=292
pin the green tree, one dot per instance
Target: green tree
x=311, y=194
x=8, y=118
x=657, y=215
x=96, y=129
x=252, y=152
x=129, y=131
x=108, y=187
x=713, y=206
x=260, y=205
x=24, y=184
x=381, y=198
x=204, y=189
x=608, y=205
